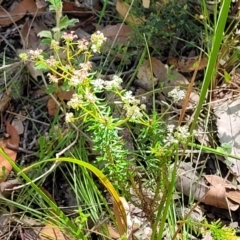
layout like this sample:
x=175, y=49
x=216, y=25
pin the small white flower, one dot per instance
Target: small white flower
x=98, y=84
x=177, y=94
x=36, y=54
x=143, y=107
x=69, y=36
x=183, y=130
x=170, y=128
x=86, y=66
x=117, y=79
x=83, y=44
x=52, y=78
x=76, y=101
x=169, y=140
x=90, y=97
x=111, y=85
x=94, y=48
x=128, y=97
x=75, y=81
x=133, y=112
x=52, y=62
x=69, y=117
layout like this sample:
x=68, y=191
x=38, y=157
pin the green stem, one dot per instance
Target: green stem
x=210, y=71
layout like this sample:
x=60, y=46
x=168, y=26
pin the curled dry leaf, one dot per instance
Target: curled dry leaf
x=5, y=166
x=29, y=37
x=221, y=193
x=216, y=196
x=5, y=187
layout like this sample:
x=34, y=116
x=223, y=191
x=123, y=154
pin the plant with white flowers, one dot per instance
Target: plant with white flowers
x=69, y=68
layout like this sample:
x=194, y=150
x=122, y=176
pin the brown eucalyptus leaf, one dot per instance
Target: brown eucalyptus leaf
x=214, y=180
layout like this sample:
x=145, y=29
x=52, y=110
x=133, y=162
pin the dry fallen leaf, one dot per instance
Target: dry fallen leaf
x=5, y=99
x=121, y=33
x=77, y=11
x=29, y=37
x=145, y=75
x=52, y=107
x=18, y=12
x=227, y=114
x=65, y=95
x=53, y=233
x=123, y=9
x=187, y=64
x=5, y=165
x=18, y=125
x=113, y=233
x=217, y=194
x=170, y=78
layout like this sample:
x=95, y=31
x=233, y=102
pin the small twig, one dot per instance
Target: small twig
x=97, y=225
x=34, y=120
x=190, y=88
x=36, y=179
x=19, y=149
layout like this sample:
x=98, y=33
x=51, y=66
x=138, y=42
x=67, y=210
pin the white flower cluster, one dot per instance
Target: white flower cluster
x=177, y=94
x=52, y=62
x=114, y=84
x=69, y=117
x=131, y=106
x=69, y=36
x=52, y=78
x=80, y=75
x=36, y=54
x=180, y=135
x=76, y=101
x=97, y=40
